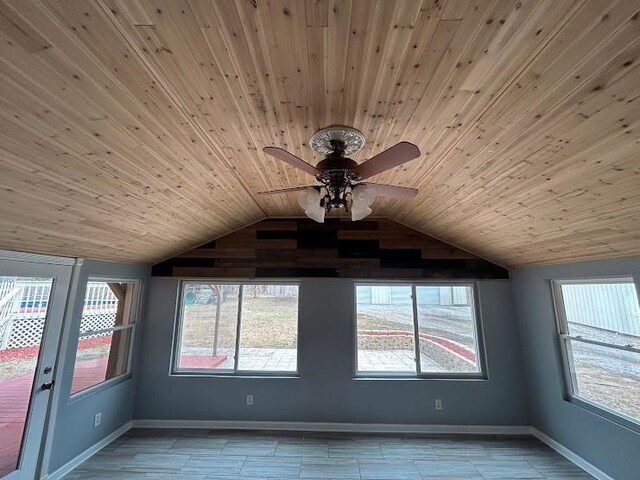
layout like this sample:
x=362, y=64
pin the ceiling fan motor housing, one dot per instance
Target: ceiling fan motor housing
x=336, y=162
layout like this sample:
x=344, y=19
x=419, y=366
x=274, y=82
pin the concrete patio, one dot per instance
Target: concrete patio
x=284, y=360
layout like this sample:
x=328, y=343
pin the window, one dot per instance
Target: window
x=231, y=328
x=419, y=329
x=599, y=327
x=106, y=333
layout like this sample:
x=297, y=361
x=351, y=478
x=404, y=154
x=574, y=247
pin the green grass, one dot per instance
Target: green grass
x=267, y=322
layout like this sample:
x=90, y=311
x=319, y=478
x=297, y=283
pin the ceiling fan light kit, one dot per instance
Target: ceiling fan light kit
x=360, y=213
x=340, y=177
x=362, y=197
x=310, y=200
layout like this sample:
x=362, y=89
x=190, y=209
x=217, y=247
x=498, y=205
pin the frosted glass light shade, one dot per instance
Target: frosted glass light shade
x=309, y=200
x=360, y=213
x=361, y=199
x=316, y=214
x=362, y=196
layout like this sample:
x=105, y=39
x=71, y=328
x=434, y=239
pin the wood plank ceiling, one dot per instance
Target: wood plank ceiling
x=132, y=130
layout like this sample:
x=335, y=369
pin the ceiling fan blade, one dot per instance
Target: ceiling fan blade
x=287, y=190
x=291, y=159
x=392, y=157
x=392, y=190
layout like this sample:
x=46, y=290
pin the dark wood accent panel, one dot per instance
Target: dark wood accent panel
x=297, y=248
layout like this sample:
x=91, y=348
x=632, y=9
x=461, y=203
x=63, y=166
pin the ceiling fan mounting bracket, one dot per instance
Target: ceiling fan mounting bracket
x=329, y=139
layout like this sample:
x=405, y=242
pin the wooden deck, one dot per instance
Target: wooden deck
x=15, y=394
x=14, y=400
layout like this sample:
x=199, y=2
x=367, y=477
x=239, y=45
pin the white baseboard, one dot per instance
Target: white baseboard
x=336, y=427
x=570, y=455
x=88, y=453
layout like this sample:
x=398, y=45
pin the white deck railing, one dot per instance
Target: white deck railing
x=24, y=303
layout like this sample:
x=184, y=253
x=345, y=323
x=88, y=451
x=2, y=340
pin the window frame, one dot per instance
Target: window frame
x=569, y=384
x=481, y=375
x=174, y=370
x=134, y=317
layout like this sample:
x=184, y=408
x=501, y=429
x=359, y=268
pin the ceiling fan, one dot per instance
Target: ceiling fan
x=340, y=177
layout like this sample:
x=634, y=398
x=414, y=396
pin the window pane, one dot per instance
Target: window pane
x=607, y=312
x=100, y=358
x=269, y=328
x=23, y=317
x=447, y=329
x=106, y=304
x=208, y=327
x=606, y=376
x=385, y=329
x=103, y=354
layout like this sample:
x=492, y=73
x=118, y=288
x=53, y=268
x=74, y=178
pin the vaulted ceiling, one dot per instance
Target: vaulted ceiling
x=132, y=130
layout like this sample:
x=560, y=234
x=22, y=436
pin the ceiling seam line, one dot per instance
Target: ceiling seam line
x=553, y=108
x=248, y=130
x=279, y=111
x=110, y=76
x=506, y=85
x=475, y=33
x=397, y=76
x=179, y=105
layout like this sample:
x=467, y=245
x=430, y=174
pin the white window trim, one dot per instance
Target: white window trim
x=174, y=370
x=482, y=374
x=564, y=338
x=132, y=325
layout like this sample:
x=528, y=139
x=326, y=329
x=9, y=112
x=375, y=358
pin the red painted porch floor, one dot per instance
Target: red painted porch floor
x=15, y=394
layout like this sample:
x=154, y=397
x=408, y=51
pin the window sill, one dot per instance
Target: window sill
x=100, y=387
x=604, y=413
x=245, y=375
x=410, y=377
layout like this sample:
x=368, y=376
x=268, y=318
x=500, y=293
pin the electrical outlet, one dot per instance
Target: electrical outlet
x=97, y=419
x=249, y=399
x=438, y=404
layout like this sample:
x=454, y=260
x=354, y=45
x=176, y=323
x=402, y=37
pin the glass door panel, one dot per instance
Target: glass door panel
x=32, y=302
x=23, y=312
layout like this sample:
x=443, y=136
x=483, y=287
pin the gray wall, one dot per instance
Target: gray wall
x=73, y=429
x=326, y=390
x=607, y=445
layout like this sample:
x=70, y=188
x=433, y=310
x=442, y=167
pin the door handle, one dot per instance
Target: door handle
x=47, y=386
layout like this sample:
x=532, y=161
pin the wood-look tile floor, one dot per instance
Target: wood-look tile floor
x=243, y=455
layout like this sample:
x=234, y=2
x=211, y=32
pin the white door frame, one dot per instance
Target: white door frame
x=61, y=365
x=37, y=428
